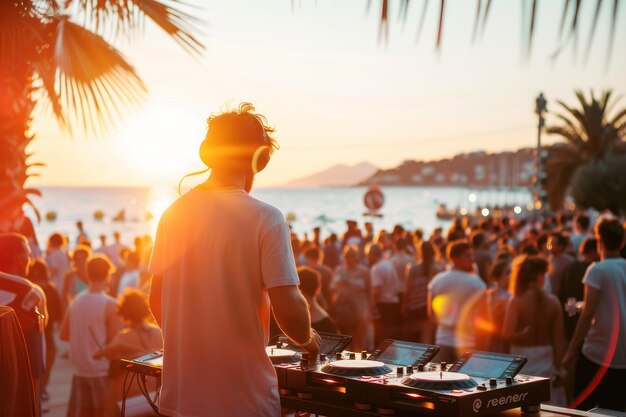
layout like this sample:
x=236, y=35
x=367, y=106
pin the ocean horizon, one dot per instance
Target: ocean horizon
x=305, y=208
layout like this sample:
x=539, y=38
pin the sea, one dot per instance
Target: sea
x=135, y=211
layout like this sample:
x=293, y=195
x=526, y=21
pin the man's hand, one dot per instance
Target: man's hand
x=313, y=346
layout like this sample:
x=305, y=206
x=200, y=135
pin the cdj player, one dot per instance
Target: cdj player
x=397, y=377
x=335, y=378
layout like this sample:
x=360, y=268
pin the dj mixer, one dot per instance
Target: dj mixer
x=398, y=377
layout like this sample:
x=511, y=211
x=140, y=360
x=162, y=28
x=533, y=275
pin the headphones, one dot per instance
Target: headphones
x=254, y=163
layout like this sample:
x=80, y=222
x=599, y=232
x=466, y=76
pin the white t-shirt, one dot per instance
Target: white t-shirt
x=58, y=263
x=452, y=294
x=218, y=251
x=609, y=322
x=384, y=276
x=129, y=279
x=88, y=334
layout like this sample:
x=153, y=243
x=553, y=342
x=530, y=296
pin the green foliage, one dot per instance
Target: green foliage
x=589, y=135
x=602, y=184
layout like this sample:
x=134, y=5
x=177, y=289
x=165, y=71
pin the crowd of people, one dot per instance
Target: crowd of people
x=553, y=291
x=92, y=296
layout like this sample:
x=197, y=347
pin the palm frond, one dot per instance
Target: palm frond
x=612, y=32
x=126, y=16
x=476, y=20
x=181, y=26
x=592, y=31
x=440, y=28
x=93, y=77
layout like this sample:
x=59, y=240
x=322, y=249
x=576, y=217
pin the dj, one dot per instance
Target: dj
x=220, y=257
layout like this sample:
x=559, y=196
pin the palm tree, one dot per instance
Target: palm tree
x=47, y=57
x=590, y=136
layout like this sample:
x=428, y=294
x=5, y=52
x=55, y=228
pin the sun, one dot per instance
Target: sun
x=162, y=142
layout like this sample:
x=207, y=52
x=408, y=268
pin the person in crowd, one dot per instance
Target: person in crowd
x=385, y=290
x=400, y=259
x=76, y=280
x=482, y=254
x=310, y=286
x=352, y=306
x=27, y=299
x=57, y=260
x=451, y=295
x=332, y=251
x=369, y=233
x=103, y=245
x=130, y=276
x=599, y=341
x=582, y=224
x=138, y=337
x=572, y=287
x=90, y=323
x=81, y=236
x=533, y=324
x=38, y=274
x=414, y=303
x=114, y=250
x=560, y=259
x=491, y=307
x=221, y=256
x=312, y=258
x=352, y=235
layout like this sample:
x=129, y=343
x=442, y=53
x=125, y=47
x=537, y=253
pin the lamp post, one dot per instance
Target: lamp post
x=540, y=109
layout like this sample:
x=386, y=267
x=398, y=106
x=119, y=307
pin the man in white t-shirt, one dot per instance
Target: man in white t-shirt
x=600, y=372
x=451, y=295
x=220, y=258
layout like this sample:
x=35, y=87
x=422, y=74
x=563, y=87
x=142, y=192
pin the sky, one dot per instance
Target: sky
x=333, y=91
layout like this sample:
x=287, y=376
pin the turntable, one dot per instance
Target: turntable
x=354, y=367
x=279, y=355
x=282, y=351
x=439, y=381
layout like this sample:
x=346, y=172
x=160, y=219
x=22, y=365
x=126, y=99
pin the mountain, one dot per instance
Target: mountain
x=336, y=176
x=474, y=169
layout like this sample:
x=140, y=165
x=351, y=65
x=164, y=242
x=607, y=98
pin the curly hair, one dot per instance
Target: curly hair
x=133, y=306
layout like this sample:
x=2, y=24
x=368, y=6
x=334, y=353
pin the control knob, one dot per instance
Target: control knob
x=493, y=382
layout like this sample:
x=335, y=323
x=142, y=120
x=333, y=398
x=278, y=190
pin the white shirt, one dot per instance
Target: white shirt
x=87, y=324
x=218, y=251
x=58, y=263
x=452, y=294
x=129, y=279
x=609, y=322
x=384, y=276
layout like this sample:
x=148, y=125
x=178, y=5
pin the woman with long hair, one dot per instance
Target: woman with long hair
x=533, y=323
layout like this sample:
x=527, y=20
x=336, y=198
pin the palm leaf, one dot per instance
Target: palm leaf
x=592, y=31
x=440, y=28
x=125, y=16
x=93, y=77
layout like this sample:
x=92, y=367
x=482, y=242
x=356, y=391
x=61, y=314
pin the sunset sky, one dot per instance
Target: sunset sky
x=334, y=93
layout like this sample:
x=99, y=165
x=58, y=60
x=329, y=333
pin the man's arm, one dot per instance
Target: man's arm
x=292, y=314
x=156, y=291
x=592, y=297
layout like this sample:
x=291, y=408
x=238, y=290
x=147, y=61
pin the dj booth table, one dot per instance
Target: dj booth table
x=292, y=402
